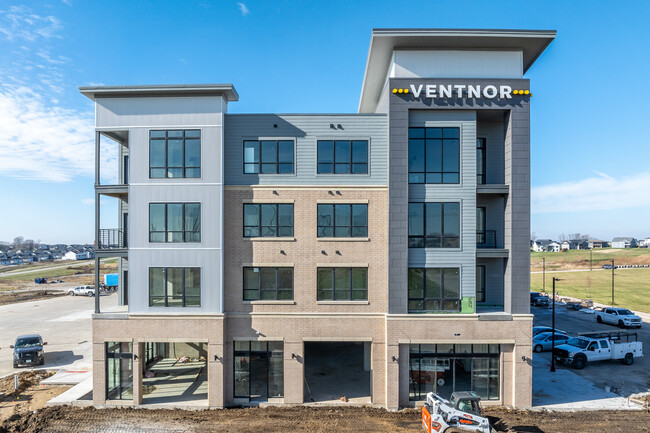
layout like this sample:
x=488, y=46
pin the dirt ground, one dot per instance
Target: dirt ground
x=35, y=295
x=302, y=419
x=30, y=396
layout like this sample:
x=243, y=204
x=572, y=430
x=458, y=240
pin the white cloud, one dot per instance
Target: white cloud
x=593, y=194
x=243, y=9
x=44, y=142
x=88, y=201
x=18, y=22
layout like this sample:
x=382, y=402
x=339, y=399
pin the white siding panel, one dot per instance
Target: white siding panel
x=457, y=64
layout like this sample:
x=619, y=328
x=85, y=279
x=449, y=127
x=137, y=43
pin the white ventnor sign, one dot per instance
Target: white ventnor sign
x=460, y=90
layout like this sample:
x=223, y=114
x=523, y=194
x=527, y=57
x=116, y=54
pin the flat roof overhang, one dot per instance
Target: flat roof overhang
x=384, y=41
x=225, y=90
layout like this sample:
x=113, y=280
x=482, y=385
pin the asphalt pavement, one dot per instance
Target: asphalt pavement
x=621, y=379
x=63, y=322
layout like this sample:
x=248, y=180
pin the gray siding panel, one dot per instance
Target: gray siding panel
x=306, y=130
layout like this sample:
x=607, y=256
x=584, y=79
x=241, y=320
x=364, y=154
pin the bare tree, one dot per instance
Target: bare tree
x=18, y=242
x=28, y=244
x=563, y=238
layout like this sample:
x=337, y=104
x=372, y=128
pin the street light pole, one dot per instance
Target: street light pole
x=591, y=262
x=553, y=331
x=544, y=274
x=612, y=282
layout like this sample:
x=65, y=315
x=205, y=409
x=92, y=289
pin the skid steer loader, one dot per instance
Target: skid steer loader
x=460, y=414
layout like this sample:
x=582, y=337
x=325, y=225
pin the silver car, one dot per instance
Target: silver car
x=544, y=341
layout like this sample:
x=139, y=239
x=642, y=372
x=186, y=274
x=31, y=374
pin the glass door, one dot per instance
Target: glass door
x=119, y=371
x=259, y=374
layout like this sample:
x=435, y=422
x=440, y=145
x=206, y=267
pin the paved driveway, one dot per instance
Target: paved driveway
x=623, y=380
x=64, y=322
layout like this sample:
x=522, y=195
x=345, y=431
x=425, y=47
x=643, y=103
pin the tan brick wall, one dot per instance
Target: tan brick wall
x=304, y=253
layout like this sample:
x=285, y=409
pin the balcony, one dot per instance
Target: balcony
x=488, y=246
x=112, y=243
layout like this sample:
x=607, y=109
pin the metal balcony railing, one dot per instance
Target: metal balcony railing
x=486, y=239
x=110, y=239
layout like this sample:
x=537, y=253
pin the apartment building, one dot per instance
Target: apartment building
x=298, y=258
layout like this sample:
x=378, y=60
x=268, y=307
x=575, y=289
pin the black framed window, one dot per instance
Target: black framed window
x=259, y=370
x=434, y=155
x=268, y=156
x=174, y=287
x=268, y=284
x=480, y=226
x=175, y=153
x=268, y=220
x=433, y=290
x=342, y=220
x=480, y=283
x=447, y=368
x=174, y=222
x=481, y=161
x=342, y=156
x=434, y=225
x=342, y=284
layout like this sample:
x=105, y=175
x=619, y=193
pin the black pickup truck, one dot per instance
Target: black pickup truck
x=28, y=350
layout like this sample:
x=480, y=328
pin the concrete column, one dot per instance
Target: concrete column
x=216, y=388
x=393, y=384
x=99, y=374
x=138, y=351
x=294, y=373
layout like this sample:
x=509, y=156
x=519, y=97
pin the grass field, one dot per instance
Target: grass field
x=61, y=270
x=631, y=286
x=579, y=259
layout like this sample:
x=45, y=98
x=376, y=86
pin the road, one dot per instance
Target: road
x=64, y=322
x=623, y=380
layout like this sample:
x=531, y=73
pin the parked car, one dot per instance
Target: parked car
x=618, y=316
x=599, y=347
x=608, y=266
x=541, y=329
x=538, y=300
x=82, y=291
x=28, y=350
x=544, y=341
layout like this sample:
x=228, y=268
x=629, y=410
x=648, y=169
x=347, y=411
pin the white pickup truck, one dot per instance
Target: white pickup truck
x=590, y=347
x=618, y=316
x=82, y=291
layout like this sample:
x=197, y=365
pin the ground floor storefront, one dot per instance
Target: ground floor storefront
x=389, y=361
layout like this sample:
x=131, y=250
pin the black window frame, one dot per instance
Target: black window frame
x=167, y=231
x=267, y=354
x=277, y=162
x=442, y=138
x=351, y=165
x=334, y=290
x=440, y=352
x=184, y=297
x=166, y=139
x=442, y=300
x=260, y=226
x=481, y=160
x=425, y=242
x=481, y=216
x=363, y=229
x=481, y=282
x=259, y=283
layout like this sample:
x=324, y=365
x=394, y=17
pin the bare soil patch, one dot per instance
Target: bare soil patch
x=21, y=403
x=300, y=419
x=34, y=295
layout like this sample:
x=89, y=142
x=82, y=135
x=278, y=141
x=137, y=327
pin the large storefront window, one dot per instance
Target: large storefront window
x=446, y=368
x=119, y=371
x=259, y=370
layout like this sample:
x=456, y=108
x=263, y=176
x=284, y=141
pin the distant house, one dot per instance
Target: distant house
x=597, y=243
x=644, y=243
x=546, y=245
x=575, y=244
x=624, y=242
x=78, y=255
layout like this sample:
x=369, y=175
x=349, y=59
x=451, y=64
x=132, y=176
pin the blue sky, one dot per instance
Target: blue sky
x=588, y=114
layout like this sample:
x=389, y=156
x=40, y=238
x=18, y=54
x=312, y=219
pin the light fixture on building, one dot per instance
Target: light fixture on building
x=338, y=193
x=283, y=253
x=216, y=358
x=332, y=126
x=323, y=252
x=395, y=358
x=338, y=253
x=275, y=192
x=330, y=192
x=294, y=356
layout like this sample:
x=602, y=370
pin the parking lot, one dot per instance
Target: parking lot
x=63, y=322
x=622, y=380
